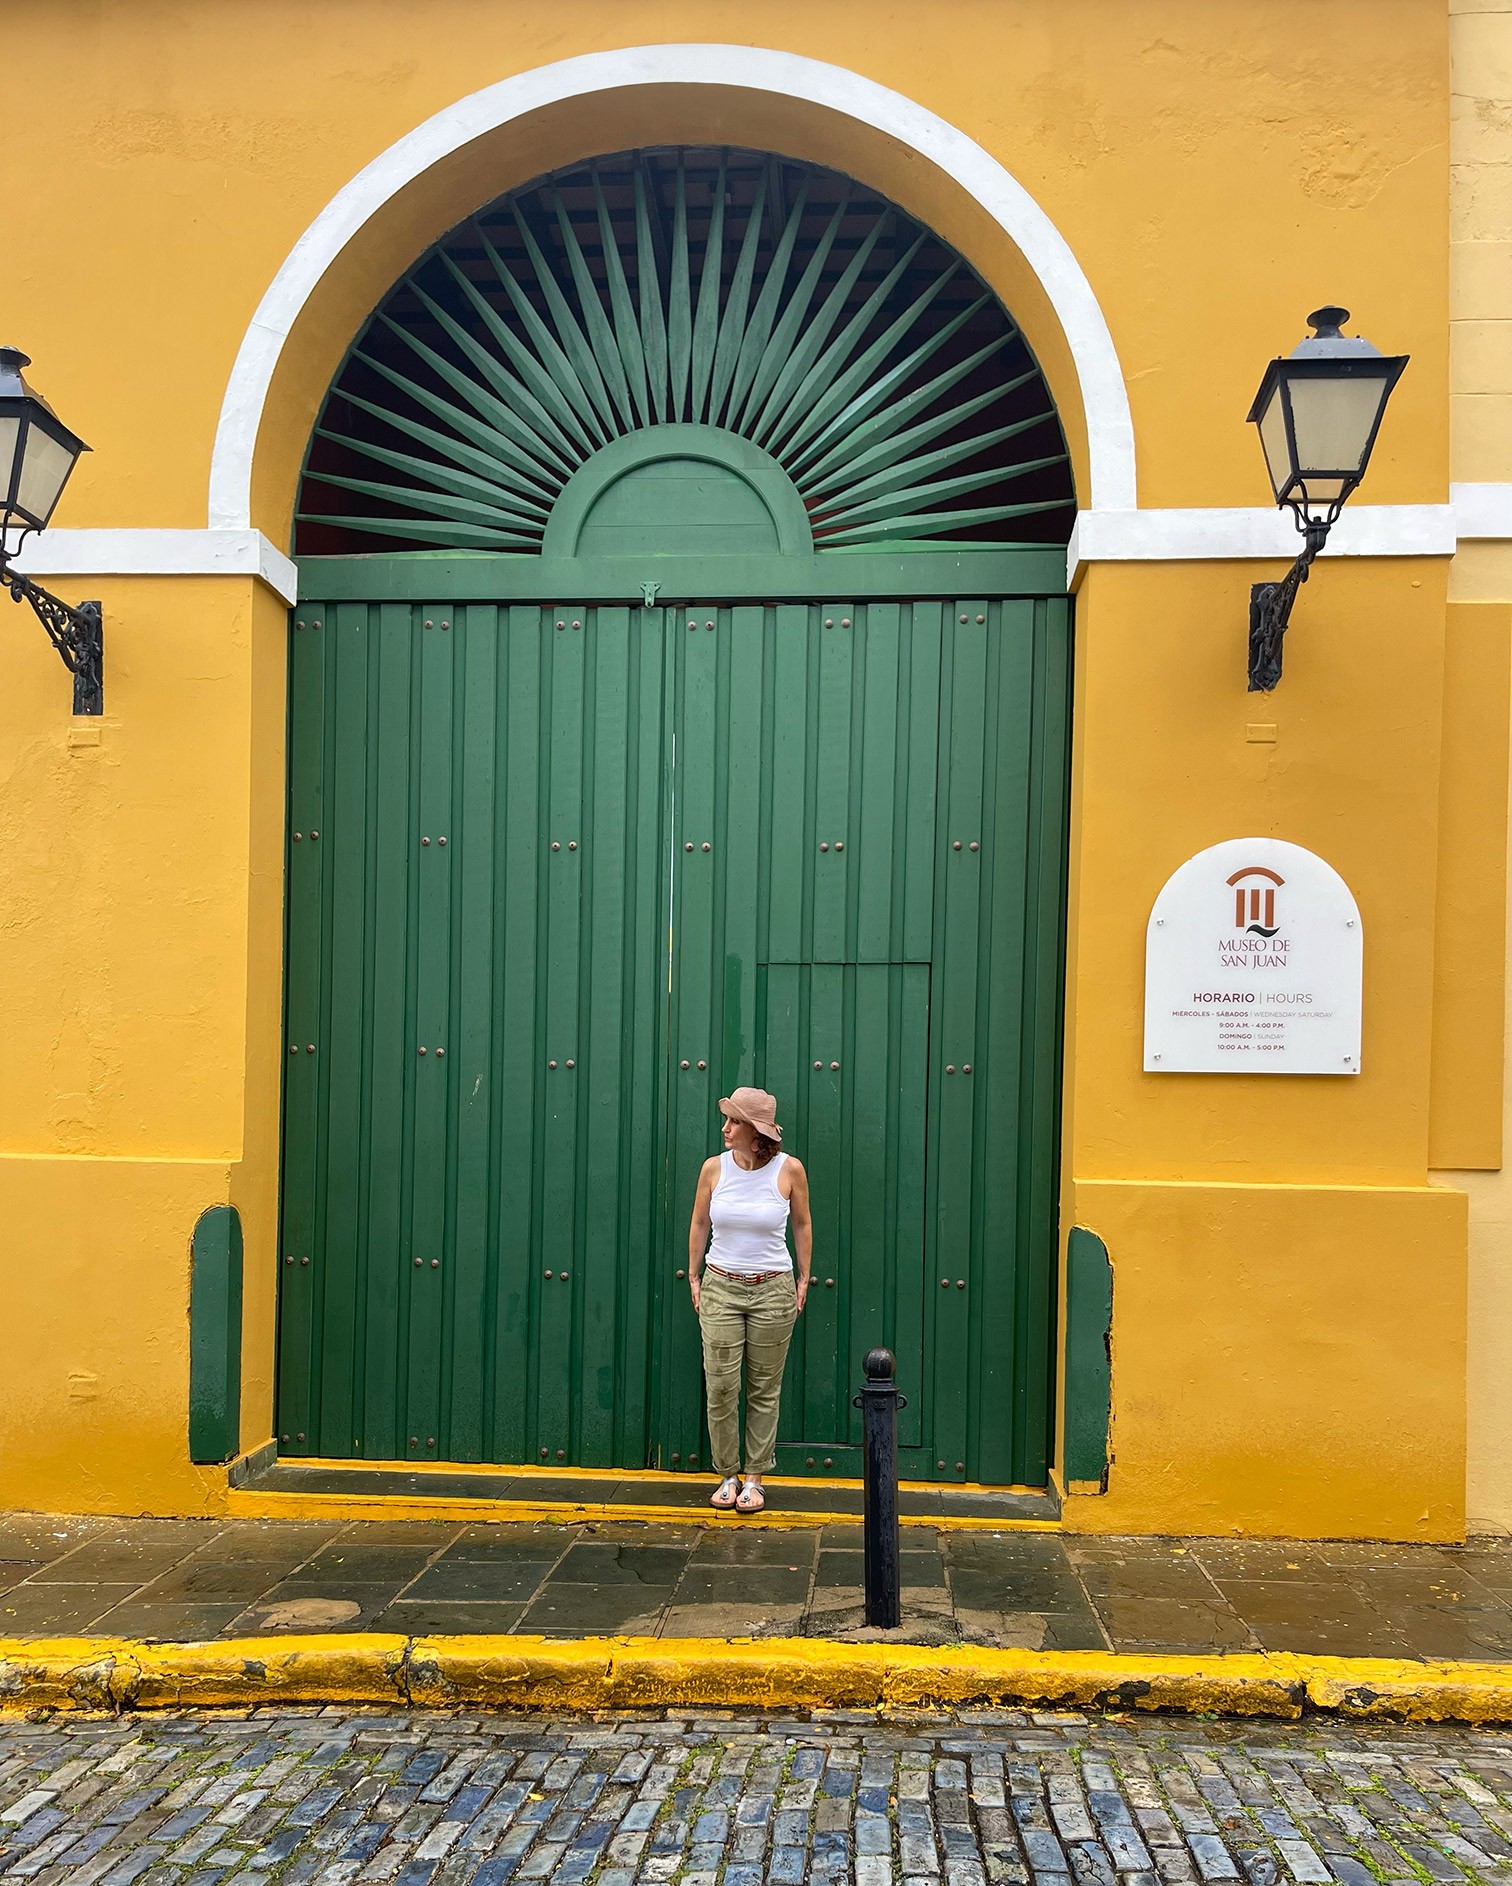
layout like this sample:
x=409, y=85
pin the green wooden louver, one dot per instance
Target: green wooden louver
x=730, y=289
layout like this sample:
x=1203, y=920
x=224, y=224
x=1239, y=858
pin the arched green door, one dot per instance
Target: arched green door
x=698, y=787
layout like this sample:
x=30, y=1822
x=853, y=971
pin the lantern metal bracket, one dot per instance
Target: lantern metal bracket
x=1271, y=607
x=76, y=631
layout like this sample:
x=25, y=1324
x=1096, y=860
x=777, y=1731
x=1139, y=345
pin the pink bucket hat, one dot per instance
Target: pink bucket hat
x=756, y=1107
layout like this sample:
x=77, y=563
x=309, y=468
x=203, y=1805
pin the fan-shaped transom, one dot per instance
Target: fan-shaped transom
x=840, y=350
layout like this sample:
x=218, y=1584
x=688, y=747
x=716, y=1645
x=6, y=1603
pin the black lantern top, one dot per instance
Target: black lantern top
x=37, y=453
x=1318, y=411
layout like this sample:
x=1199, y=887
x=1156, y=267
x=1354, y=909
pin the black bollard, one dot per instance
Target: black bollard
x=879, y=1402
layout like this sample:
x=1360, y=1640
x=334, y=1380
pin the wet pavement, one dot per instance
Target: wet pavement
x=186, y=1580
x=335, y=1796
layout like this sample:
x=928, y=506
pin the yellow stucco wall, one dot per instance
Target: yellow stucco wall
x=138, y=1077
x=1213, y=184
x=1241, y=1403
x=1279, y=1263
x=1481, y=583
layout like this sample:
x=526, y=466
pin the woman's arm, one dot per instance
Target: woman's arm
x=803, y=1229
x=698, y=1229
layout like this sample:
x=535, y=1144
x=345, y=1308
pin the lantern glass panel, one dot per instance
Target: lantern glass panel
x=10, y=438
x=1273, y=441
x=1317, y=489
x=1333, y=420
x=44, y=472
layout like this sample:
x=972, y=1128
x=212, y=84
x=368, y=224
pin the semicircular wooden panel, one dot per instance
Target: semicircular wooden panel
x=724, y=288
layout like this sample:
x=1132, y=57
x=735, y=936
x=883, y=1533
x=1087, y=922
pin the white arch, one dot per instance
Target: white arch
x=1110, y=430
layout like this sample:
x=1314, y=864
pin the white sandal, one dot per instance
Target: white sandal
x=725, y=1494
x=750, y=1498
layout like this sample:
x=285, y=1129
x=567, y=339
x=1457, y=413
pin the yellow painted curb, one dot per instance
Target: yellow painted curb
x=537, y=1673
x=246, y=1503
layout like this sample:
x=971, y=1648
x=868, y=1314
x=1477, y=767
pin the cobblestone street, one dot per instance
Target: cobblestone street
x=334, y=1796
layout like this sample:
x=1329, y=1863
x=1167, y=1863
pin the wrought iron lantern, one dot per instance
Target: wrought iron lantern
x=37, y=454
x=1318, y=412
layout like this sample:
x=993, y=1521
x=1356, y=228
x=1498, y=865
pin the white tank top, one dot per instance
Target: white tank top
x=749, y=1218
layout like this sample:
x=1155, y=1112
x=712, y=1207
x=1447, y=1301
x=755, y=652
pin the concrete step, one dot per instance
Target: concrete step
x=633, y=1491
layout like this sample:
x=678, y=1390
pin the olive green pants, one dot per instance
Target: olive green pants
x=746, y=1327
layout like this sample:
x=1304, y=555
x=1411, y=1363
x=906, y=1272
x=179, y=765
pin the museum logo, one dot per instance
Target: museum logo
x=1255, y=900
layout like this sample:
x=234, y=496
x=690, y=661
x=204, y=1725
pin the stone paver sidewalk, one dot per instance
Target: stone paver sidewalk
x=335, y=1796
x=193, y=1579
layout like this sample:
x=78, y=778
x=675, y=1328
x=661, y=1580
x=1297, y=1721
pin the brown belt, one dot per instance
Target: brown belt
x=748, y=1277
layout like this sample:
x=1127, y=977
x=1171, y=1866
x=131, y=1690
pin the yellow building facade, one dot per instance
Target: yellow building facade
x=1311, y=1322
x=1481, y=577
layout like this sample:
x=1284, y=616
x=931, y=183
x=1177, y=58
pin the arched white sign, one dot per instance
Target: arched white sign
x=1253, y=965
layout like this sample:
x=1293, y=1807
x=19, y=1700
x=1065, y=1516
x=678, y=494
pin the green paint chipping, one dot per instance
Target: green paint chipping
x=1089, y=1378
x=215, y=1312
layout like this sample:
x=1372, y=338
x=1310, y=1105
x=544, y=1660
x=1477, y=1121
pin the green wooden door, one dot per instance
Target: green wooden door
x=558, y=878
x=476, y=1006
x=867, y=884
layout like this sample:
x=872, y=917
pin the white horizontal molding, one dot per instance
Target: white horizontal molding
x=1217, y=535
x=1154, y=536
x=76, y=553
x=1482, y=510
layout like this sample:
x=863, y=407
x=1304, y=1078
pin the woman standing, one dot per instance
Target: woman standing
x=748, y=1302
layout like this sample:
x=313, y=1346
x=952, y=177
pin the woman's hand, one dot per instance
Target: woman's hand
x=695, y=1289
x=800, y=1292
